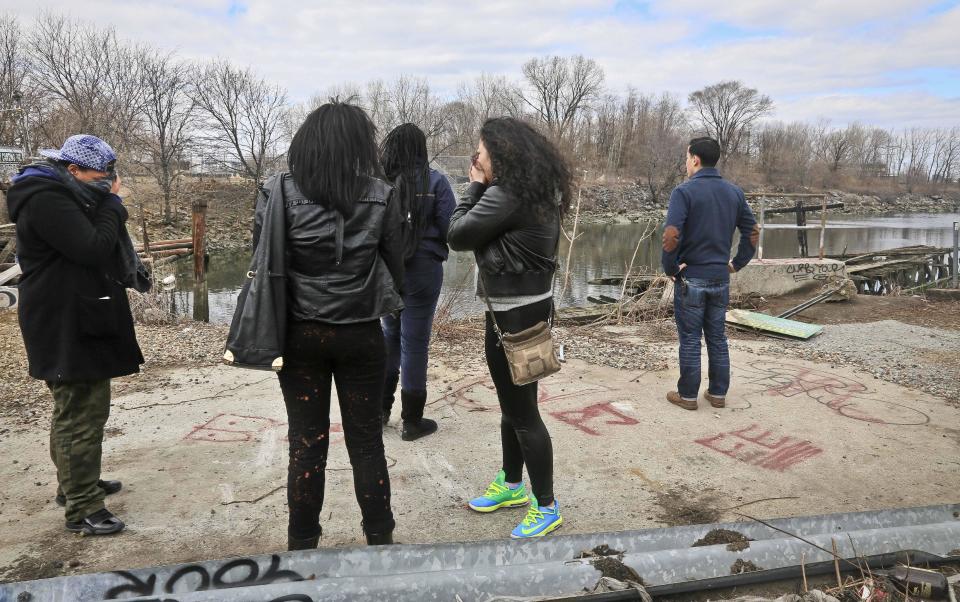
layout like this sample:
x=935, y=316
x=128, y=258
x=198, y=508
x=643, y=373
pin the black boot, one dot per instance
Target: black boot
x=414, y=424
x=379, y=539
x=389, y=390
x=303, y=543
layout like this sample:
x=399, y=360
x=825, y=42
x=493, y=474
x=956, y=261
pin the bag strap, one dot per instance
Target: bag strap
x=493, y=315
x=339, y=238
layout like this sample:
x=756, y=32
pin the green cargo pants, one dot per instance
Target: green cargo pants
x=80, y=411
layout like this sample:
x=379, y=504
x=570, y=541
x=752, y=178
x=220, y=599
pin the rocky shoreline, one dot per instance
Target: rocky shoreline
x=230, y=214
x=628, y=204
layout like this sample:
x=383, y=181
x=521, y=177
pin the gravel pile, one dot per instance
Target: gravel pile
x=25, y=401
x=917, y=357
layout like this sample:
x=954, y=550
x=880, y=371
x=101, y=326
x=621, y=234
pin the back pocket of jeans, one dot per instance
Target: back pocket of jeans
x=693, y=296
x=97, y=317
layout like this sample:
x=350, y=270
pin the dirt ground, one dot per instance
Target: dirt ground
x=201, y=447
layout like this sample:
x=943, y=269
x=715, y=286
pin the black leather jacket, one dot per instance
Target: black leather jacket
x=340, y=270
x=515, y=245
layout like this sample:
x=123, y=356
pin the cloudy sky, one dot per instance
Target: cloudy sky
x=891, y=63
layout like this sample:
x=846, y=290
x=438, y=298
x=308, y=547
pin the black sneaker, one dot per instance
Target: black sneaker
x=101, y=522
x=108, y=487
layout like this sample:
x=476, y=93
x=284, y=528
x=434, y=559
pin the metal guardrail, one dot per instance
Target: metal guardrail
x=479, y=571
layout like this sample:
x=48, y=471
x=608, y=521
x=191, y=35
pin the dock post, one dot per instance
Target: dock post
x=201, y=305
x=763, y=209
x=823, y=224
x=956, y=254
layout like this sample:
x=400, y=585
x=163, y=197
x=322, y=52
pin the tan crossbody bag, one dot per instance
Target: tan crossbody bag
x=530, y=353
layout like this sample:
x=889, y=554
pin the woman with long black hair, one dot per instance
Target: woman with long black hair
x=342, y=235
x=427, y=201
x=510, y=218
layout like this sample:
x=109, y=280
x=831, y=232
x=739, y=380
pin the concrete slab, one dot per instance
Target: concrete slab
x=203, y=461
x=775, y=277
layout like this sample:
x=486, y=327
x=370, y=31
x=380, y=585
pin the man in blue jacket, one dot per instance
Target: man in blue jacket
x=704, y=213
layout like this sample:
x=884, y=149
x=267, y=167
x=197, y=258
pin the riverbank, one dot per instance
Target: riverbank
x=201, y=451
x=909, y=343
x=628, y=204
x=230, y=208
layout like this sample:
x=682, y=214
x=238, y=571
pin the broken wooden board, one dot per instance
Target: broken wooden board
x=584, y=315
x=771, y=324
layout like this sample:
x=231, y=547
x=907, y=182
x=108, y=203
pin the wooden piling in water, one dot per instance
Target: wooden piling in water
x=201, y=306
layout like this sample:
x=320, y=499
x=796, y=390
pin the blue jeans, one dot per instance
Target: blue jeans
x=408, y=337
x=700, y=306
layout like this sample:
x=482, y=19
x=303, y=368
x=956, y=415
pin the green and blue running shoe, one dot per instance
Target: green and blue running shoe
x=498, y=495
x=540, y=520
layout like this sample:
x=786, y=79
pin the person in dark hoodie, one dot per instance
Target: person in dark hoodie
x=428, y=201
x=74, y=315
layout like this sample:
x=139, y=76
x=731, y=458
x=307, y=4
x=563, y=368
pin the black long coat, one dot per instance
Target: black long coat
x=74, y=314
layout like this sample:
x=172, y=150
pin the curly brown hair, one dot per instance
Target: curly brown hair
x=526, y=163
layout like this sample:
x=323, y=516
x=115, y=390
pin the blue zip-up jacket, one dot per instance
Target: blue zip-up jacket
x=434, y=241
x=704, y=213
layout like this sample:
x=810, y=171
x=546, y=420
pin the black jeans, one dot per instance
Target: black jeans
x=523, y=434
x=353, y=356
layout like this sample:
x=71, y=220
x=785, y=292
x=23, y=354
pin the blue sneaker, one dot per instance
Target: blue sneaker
x=540, y=520
x=498, y=495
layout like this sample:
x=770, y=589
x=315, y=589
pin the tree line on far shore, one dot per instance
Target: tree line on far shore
x=169, y=117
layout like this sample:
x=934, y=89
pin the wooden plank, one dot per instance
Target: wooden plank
x=583, y=315
x=855, y=269
x=639, y=280
x=784, y=195
x=771, y=324
x=805, y=209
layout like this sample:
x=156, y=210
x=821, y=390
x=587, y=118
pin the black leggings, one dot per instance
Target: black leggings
x=353, y=356
x=523, y=435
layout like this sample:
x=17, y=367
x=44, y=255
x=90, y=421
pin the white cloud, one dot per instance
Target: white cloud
x=823, y=61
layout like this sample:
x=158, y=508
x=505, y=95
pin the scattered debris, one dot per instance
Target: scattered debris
x=743, y=566
x=610, y=566
x=601, y=550
x=682, y=506
x=735, y=541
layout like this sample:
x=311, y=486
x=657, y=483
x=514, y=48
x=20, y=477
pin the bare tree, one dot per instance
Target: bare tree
x=242, y=115
x=170, y=114
x=836, y=148
x=16, y=91
x=560, y=89
x=726, y=110
x=97, y=78
x=919, y=143
x=412, y=102
x=658, y=143
x=945, y=155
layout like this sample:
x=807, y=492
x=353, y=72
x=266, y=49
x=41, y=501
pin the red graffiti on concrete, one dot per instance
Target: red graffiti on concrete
x=237, y=428
x=580, y=418
x=758, y=447
x=845, y=396
x=479, y=395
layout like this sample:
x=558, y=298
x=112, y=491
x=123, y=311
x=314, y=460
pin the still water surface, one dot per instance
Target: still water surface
x=605, y=250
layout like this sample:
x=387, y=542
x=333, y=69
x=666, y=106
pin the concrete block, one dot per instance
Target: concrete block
x=776, y=277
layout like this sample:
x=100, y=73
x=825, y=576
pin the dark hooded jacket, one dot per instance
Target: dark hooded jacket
x=73, y=309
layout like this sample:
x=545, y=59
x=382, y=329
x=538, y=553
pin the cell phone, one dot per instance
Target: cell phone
x=474, y=158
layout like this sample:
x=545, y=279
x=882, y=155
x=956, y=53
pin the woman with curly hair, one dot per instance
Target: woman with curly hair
x=510, y=218
x=427, y=201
